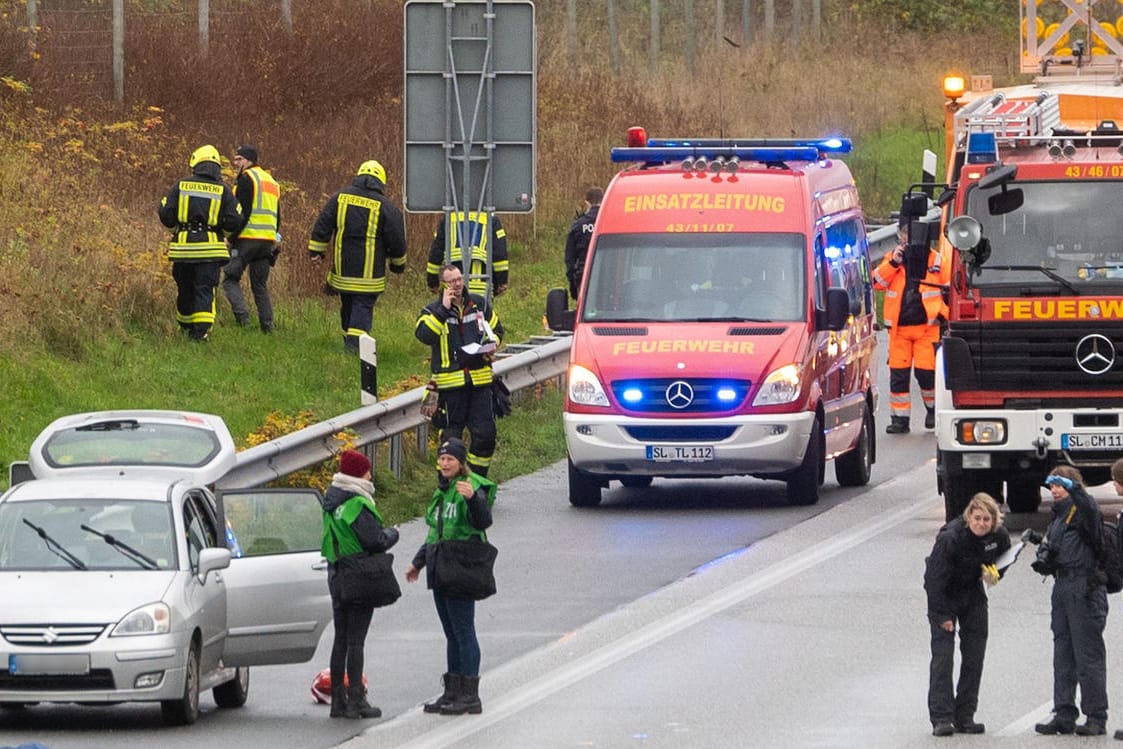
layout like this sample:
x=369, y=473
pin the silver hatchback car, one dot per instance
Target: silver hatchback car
x=124, y=578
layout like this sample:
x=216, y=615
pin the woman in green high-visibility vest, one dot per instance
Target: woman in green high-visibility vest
x=466, y=499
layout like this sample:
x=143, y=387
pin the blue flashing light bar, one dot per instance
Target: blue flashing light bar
x=667, y=154
x=982, y=148
x=823, y=145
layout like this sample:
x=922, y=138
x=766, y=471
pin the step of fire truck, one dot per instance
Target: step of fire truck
x=1018, y=122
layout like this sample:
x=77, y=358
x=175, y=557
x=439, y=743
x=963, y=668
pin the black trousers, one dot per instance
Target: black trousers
x=944, y=704
x=351, y=624
x=471, y=407
x=356, y=315
x=1079, y=658
x=195, y=291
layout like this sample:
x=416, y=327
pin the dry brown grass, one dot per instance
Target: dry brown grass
x=81, y=248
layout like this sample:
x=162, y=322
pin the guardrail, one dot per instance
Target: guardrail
x=525, y=364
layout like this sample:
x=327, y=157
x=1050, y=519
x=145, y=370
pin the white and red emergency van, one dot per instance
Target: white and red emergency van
x=725, y=323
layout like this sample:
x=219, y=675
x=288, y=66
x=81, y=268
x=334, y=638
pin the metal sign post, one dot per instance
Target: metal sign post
x=470, y=113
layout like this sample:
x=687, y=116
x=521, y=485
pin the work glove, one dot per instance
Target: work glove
x=990, y=574
x=1030, y=536
x=1067, y=483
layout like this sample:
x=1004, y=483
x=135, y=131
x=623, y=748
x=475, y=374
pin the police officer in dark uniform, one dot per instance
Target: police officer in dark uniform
x=1069, y=553
x=577, y=241
x=962, y=559
x=462, y=331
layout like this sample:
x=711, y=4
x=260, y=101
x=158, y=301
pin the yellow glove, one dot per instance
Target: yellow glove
x=990, y=574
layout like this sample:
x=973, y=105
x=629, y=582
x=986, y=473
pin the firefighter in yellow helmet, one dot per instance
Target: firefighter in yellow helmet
x=200, y=210
x=481, y=234
x=364, y=232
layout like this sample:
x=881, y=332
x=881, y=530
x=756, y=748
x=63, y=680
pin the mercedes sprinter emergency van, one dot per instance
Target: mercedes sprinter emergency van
x=725, y=322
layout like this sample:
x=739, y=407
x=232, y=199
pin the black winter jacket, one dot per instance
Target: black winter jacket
x=953, y=571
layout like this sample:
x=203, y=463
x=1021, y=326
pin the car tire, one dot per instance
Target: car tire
x=804, y=482
x=584, y=490
x=234, y=692
x=853, y=468
x=185, y=710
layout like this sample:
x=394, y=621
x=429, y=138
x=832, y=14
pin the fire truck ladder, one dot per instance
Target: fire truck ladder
x=1016, y=123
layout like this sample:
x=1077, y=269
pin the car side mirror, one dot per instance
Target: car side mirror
x=211, y=560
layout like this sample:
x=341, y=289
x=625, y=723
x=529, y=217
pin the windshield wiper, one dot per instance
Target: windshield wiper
x=58, y=549
x=116, y=425
x=1050, y=272
x=129, y=552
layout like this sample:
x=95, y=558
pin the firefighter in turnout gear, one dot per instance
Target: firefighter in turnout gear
x=199, y=210
x=256, y=244
x=913, y=276
x=365, y=232
x=483, y=230
x=462, y=331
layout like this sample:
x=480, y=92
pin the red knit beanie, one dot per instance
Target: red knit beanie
x=353, y=463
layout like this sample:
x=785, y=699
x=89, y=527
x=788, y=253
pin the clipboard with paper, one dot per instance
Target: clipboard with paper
x=1009, y=557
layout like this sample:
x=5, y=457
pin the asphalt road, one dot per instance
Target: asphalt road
x=595, y=606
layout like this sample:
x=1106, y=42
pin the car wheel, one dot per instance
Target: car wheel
x=185, y=710
x=234, y=692
x=584, y=490
x=636, y=482
x=804, y=482
x=853, y=468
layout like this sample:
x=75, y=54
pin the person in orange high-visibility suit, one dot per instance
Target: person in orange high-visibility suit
x=914, y=278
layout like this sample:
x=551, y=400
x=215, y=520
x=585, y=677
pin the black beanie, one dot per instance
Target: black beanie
x=248, y=152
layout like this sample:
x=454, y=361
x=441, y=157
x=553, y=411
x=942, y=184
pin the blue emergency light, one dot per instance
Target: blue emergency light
x=763, y=150
x=982, y=148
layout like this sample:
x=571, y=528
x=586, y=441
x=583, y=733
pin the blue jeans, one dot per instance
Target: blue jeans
x=458, y=620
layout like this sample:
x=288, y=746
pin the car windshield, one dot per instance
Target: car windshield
x=696, y=277
x=1064, y=234
x=131, y=442
x=86, y=534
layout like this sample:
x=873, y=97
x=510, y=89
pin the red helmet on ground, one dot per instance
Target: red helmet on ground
x=321, y=686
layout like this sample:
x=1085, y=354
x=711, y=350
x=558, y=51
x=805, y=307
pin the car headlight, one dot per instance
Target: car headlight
x=782, y=386
x=152, y=619
x=584, y=387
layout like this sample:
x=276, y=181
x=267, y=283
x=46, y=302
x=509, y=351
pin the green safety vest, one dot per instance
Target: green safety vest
x=338, y=524
x=456, y=525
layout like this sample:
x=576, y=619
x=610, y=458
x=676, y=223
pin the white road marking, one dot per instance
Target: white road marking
x=501, y=707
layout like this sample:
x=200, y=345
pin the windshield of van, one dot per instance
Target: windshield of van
x=86, y=534
x=696, y=277
x=1064, y=234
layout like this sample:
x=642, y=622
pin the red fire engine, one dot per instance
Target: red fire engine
x=1029, y=375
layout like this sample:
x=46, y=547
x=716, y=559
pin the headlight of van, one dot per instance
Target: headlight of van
x=153, y=619
x=782, y=386
x=584, y=387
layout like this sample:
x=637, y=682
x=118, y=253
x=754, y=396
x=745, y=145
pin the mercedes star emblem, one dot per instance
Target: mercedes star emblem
x=679, y=394
x=1095, y=354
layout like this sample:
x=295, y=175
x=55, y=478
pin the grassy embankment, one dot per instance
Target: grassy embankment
x=88, y=299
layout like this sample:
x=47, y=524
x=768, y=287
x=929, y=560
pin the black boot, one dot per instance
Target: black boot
x=467, y=700
x=898, y=425
x=452, y=688
x=930, y=419
x=338, y=701
x=357, y=705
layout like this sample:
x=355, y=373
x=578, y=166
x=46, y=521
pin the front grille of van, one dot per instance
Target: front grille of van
x=680, y=395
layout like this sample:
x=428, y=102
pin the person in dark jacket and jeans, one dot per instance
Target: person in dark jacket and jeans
x=1069, y=553
x=352, y=525
x=365, y=232
x=463, y=499
x=962, y=559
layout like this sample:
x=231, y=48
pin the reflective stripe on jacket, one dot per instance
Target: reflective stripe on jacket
x=262, y=221
x=892, y=281
x=364, y=230
x=199, y=209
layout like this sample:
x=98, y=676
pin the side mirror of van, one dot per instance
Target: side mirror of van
x=838, y=308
